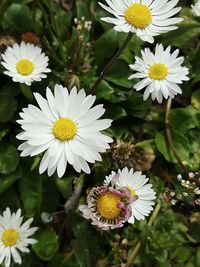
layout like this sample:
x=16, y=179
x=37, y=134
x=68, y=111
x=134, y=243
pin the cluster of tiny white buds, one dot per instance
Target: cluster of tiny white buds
x=83, y=24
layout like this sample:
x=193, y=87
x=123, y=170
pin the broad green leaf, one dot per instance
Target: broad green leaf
x=7, y=180
x=136, y=106
x=9, y=158
x=119, y=74
x=182, y=254
x=38, y=193
x=47, y=244
x=115, y=112
x=105, y=91
x=183, y=119
x=183, y=35
x=17, y=17
x=181, y=143
x=8, y=106
x=26, y=91
x=105, y=47
x=64, y=185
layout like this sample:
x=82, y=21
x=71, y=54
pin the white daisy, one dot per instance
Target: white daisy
x=66, y=127
x=146, y=18
x=196, y=9
x=160, y=73
x=142, y=193
x=25, y=63
x=14, y=236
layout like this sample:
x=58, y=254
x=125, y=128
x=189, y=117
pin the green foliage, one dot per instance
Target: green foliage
x=77, y=57
x=47, y=244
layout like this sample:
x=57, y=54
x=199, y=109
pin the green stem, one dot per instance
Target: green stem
x=169, y=136
x=111, y=62
x=139, y=244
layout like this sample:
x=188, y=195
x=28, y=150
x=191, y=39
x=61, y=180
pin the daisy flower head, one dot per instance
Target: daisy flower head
x=141, y=192
x=161, y=73
x=25, y=63
x=146, y=18
x=196, y=9
x=108, y=207
x=15, y=237
x=67, y=128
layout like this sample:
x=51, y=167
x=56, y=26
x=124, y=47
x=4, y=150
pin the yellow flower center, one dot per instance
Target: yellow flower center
x=132, y=191
x=64, y=129
x=158, y=71
x=10, y=237
x=107, y=206
x=25, y=67
x=138, y=15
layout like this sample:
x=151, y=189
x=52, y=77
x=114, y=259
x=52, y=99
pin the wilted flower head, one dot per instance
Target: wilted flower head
x=15, y=237
x=146, y=18
x=31, y=38
x=126, y=154
x=196, y=8
x=142, y=194
x=107, y=206
x=125, y=196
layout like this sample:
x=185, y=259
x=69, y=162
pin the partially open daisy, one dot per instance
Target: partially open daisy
x=25, y=63
x=196, y=9
x=142, y=194
x=14, y=236
x=108, y=207
x=67, y=128
x=146, y=18
x=161, y=73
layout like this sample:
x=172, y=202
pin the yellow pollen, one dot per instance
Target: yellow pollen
x=107, y=206
x=25, y=67
x=10, y=237
x=64, y=129
x=138, y=15
x=158, y=71
x=132, y=191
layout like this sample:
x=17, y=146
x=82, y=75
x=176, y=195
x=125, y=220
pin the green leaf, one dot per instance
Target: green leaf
x=198, y=257
x=181, y=143
x=7, y=180
x=9, y=158
x=183, y=35
x=182, y=254
x=38, y=193
x=183, y=119
x=79, y=253
x=17, y=17
x=3, y=133
x=26, y=91
x=47, y=244
x=65, y=186
x=136, y=106
x=8, y=106
x=119, y=74
x=196, y=99
x=105, y=47
x=115, y=112
x=105, y=91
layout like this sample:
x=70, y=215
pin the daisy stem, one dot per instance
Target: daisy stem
x=111, y=62
x=139, y=244
x=169, y=136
